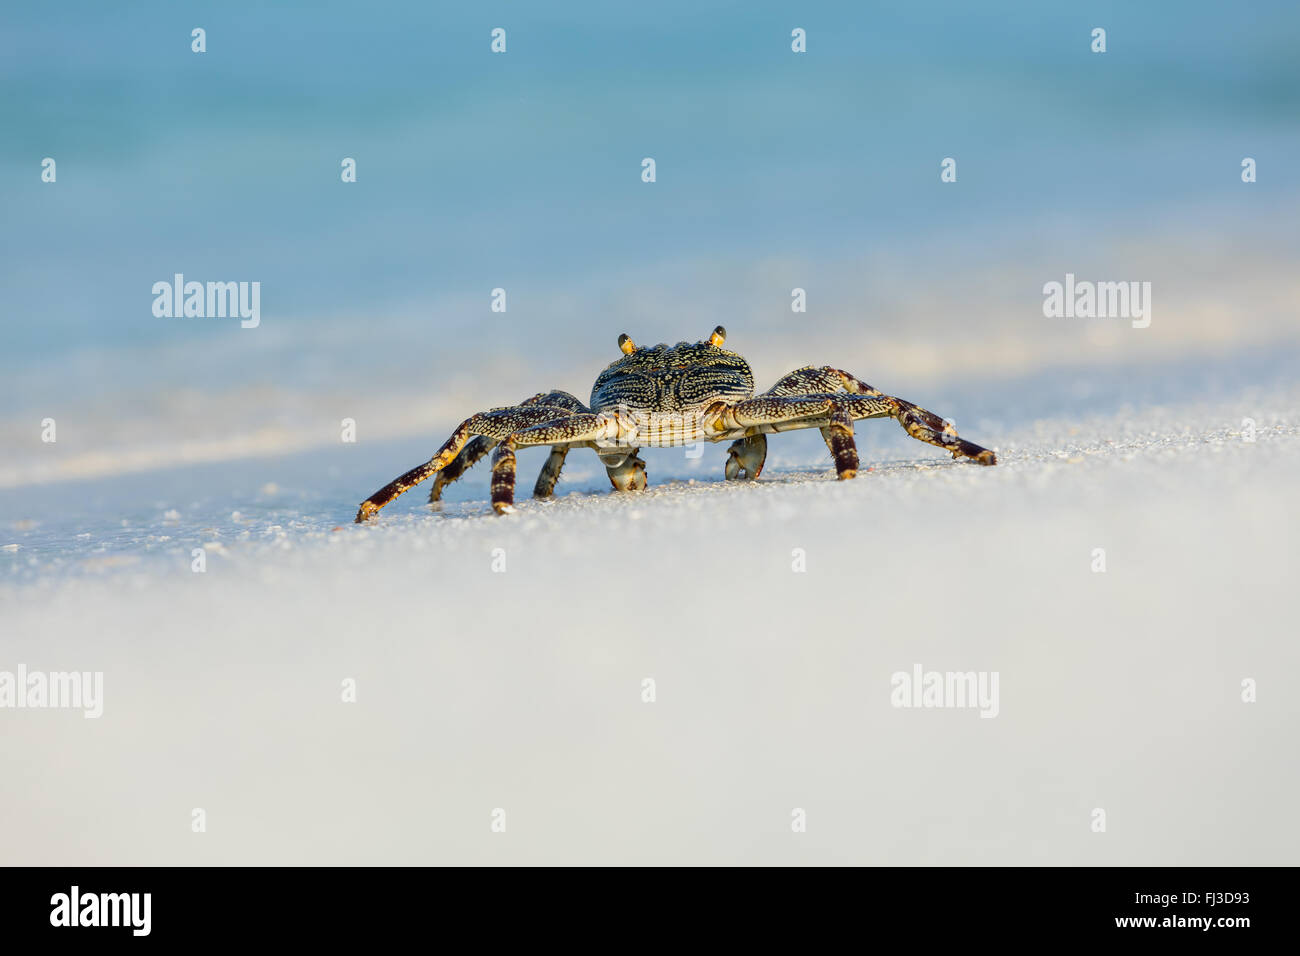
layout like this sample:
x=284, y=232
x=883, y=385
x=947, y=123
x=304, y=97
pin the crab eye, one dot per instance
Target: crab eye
x=625, y=344
x=718, y=337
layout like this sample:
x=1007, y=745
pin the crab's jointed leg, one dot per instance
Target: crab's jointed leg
x=569, y=431
x=550, y=473
x=480, y=445
x=831, y=400
x=838, y=436
x=497, y=424
x=476, y=448
x=916, y=421
x=833, y=414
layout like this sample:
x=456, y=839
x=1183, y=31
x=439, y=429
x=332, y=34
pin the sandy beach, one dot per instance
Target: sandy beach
x=500, y=663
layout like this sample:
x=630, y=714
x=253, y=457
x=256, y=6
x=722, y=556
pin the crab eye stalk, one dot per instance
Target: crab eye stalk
x=718, y=337
x=625, y=344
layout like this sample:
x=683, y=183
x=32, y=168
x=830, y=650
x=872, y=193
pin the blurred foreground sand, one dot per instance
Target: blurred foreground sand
x=522, y=690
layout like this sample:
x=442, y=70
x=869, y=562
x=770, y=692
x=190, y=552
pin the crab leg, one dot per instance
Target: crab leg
x=476, y=448
x=929, y=427
x=844, y=450
x=445, y=456
x=574, y=430
x=833, y=414
x=856, y=399
x=916, y=421
x=496, y=424
x=480, y=446
x=550, y=472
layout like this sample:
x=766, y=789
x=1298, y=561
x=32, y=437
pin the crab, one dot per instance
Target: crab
x=664, y=396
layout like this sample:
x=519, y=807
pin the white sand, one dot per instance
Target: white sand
x=522, y=690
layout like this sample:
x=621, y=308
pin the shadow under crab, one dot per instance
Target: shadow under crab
x=665, y=396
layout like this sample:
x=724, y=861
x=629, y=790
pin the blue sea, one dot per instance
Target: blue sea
x=522, y=171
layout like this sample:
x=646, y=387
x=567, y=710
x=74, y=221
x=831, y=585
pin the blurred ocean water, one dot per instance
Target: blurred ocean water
x=522, y=170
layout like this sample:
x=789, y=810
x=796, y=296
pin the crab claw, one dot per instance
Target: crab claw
x=628, y=475
x=745, y=457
